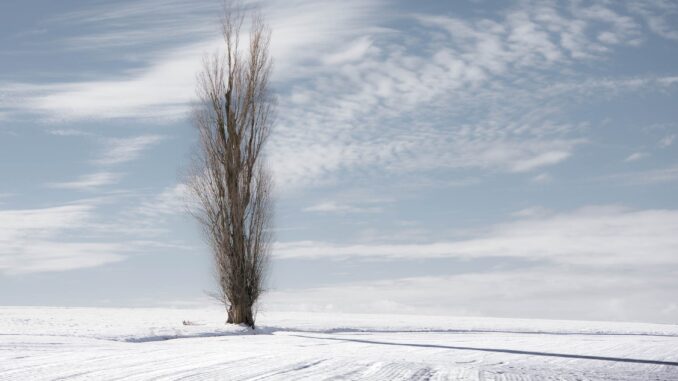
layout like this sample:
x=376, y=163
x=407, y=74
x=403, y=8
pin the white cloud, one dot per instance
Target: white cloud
x=298, y=160
x=596, y=236
x=609, y=87
x=542, y=178
x=305, y=30
x=91, y=181
x=659, y=15
x=635, y=156
x=353, y=52
x=137, y=23
x=41, y=256
x=531, y=212
x=13, y=221
x=171, y=200
x=68, y=132
x=120, y=150
x=340, y=208
x=654, y=176
x=162, y=91
x=77, y=235
x=148, y=220
x=667, y=140
x=32, y=240
x=539, y=292
x=540, y=160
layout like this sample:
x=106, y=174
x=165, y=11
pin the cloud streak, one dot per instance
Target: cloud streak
x=594, y=236
x=539, y=292
x=80, y=235
x=647, y=177
x=88, y=182
x=121, y=150
x=635, y=156
x=32, y=240
x=340, y=208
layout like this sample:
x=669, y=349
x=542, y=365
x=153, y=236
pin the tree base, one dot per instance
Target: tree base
x=240, y=315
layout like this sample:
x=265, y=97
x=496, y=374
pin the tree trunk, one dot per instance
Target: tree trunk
x=240, y=314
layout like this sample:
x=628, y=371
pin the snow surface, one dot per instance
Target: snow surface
x=42, y=343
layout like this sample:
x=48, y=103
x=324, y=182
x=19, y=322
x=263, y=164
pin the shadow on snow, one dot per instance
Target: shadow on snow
x=498, y=350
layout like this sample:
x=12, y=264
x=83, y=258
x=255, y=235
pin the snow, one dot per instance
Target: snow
x=43, y=343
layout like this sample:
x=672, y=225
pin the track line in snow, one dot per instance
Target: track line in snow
x=274, y=330
x=499, y=350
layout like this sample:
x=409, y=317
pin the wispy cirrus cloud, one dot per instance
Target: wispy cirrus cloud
x=539, y=292
x=658, y=15
x=121, y=150
x=340, y=208
x=84, y=234
x=542, y=178
x=636, y=156
x=31, y=240
x=594, y=236
x=145, y=94
x=68, y=132
x=386, y=106
x=646, y=177
x=88, y=182
x=384, y=95
x=667, y=140
x=147, y=23
x=174, y=199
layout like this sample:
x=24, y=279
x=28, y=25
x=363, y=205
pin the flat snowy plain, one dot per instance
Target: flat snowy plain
x=42, y=343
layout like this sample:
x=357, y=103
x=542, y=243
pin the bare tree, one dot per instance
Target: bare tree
x=230, y=180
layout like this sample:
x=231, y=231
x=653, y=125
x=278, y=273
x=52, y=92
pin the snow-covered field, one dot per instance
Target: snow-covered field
x=40, y=343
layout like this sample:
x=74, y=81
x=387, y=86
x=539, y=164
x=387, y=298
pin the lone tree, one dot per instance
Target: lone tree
x=230, y=181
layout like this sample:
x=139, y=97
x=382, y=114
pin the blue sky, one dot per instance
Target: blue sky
x=512, y=159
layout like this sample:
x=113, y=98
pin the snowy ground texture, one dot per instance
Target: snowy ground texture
x=39, y=343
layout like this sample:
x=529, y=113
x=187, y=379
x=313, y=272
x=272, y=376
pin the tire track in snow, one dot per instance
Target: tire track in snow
x=500, y=350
